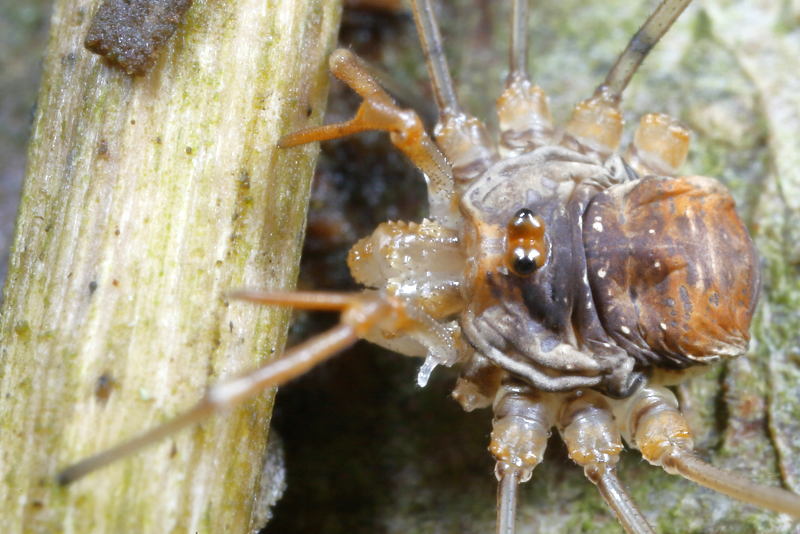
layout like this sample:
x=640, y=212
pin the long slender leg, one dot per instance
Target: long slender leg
x=593, y=441
x=521, y=426
x=596, y=123
x=659, y=146
x=640, y=45
x=431, y=40
x=655, y=425
x=508, y=479
x=379, y=112
x=462, y=137
x=359, y=314
x=522, y=110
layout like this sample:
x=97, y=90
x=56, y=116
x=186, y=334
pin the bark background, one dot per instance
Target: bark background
x=369, y=452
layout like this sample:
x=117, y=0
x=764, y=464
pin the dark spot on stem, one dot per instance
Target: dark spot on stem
x=103, y=386
x=130, y=33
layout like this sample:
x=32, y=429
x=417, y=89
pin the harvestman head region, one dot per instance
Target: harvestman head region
x=571, y=278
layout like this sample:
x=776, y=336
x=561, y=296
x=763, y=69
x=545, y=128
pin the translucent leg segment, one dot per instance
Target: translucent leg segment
x=462, y=137
x=659, y=146
x=465, y=141
x=478, y=383
x=594, y=442
x=596, y=123
x=595, y=126
x=655, y=425
x=524, y=117
x=522, y=110
x=360, y=313
x=521, y=426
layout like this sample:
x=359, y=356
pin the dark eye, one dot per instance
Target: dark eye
x=524, y=262
x=525, y=243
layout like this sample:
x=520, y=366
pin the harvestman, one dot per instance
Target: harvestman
x=569, y=281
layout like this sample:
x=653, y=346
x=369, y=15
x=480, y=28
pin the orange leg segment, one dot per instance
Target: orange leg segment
x=379, y=112
x=360, y=313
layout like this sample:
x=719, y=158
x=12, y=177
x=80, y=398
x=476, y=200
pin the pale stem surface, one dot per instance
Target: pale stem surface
x=145, y=201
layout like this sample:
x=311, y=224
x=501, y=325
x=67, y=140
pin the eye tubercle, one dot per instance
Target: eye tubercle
x=526, y=248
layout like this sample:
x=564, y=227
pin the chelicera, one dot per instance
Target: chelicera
x=570, y=281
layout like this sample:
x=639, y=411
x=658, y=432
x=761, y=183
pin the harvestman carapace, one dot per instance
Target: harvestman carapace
x=570, y=281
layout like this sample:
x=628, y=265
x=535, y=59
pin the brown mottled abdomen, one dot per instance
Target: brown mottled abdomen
x=672, y=268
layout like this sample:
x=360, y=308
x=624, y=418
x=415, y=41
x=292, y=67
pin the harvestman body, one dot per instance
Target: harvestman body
x=570, y=282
